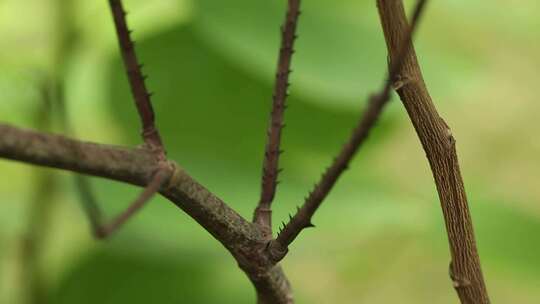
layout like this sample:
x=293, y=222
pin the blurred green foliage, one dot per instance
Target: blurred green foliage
x=380, y=236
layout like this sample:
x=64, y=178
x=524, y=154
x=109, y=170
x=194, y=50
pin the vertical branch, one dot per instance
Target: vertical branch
x=439, y=145
x=303, y=216
x=136, y=79
x=263, y=212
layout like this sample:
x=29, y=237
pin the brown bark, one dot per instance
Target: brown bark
x=136, y=79
x=248, y=242
x=243, y=239
x=439, y=145
x=263, y=212
x=302, y=219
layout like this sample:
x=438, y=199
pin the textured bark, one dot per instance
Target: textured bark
x=136, y=79
x=243, y=239
x=263, y=212
x=250, y=243
x=439, y=145
x=302, y=219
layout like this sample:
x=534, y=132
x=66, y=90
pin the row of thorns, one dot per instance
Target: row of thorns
x=262, y=215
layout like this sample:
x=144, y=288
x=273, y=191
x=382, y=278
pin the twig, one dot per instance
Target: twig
x=141, y=95
x=439, y=145
x=150, y=135
x=304, y=214
x=243, y=239
x=157, y=181
x=93, y=212
x=135, y=166
x=263, y=212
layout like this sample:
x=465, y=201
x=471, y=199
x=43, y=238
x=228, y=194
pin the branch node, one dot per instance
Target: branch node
x=276, y=251
x=400, y=81
x=457, y=282
x=302, y=219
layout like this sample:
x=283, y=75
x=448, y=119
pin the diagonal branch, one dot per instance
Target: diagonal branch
x=136, y=79
x=439, y=145
x=263, y=212
x=244, y=240
x=103, y=230
x=304, y=214
x=135, y=166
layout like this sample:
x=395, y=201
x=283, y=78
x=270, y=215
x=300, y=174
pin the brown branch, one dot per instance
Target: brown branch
x=150, y=133
x=439, y=145
x=248, y=242
x=136, y=79
x=263, y=212
x=245, y=240
x=94, y=214
x=135, y=166
x=304, y=214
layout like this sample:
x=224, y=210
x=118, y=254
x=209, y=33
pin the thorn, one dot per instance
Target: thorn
x=141, y=66
x=281, y=151
x=309, y=225
x=144, y=77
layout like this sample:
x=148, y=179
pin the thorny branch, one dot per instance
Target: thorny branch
x=138, y=166
x=249, y=242
x=304, y=214
x=150, y=134
x=136, y=79
x=263, y=212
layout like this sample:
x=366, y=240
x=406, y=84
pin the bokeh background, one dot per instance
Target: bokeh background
x=380, y=236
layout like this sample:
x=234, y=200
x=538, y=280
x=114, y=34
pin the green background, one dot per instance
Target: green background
x=380, y=236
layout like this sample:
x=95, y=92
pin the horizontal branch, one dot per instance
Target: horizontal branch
x=134, y=166
x=242, y=238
